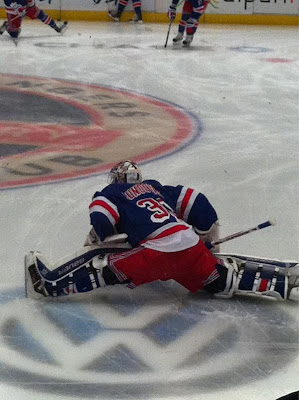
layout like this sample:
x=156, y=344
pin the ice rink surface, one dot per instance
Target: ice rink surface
x=239, y=87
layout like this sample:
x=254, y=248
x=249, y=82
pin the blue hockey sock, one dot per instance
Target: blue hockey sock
x=46, y=19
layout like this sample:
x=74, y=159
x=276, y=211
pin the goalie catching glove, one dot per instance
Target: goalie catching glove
x=92, y=238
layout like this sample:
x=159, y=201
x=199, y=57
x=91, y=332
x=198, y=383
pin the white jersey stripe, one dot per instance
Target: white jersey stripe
x=102, y=198
x=189, y=205
x=112, y=214
x=179, y=201
x=165, y=228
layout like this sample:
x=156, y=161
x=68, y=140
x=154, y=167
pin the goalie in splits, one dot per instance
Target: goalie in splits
x=16, y=10
x=166, y=229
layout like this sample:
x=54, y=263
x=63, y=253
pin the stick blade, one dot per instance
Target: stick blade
x=266, y=224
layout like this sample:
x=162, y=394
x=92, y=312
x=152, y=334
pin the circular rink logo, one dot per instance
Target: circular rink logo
x=52, y=130
x=159, y=342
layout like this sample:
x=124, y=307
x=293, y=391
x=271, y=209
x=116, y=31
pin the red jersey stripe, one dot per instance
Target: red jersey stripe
x=185, y=202
x=167, y=232
x=103, y=204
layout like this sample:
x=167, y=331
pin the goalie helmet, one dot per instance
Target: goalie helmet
x=125, y=172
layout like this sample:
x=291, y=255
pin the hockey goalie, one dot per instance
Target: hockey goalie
x=143, y=231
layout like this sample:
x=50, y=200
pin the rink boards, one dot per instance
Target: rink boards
x=271, y=12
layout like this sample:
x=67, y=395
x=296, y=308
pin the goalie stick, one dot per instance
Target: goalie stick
x=122, y=236
x=210, y=245
x=170, y=24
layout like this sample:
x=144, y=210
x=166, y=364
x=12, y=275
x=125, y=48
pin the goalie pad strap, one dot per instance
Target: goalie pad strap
x=262, y=282
x=252, y=279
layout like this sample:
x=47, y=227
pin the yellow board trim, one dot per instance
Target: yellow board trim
x=261, y=19
x=253, y=19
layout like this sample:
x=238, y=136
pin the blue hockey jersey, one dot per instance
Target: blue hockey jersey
x=149, y=210
x=15, y=6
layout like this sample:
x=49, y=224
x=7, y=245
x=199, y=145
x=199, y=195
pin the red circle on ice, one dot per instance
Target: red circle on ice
x=53, y=130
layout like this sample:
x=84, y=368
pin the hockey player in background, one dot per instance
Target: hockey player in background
x=16, y=10
x=116, y=14
x=191, y=13
x=168, y=229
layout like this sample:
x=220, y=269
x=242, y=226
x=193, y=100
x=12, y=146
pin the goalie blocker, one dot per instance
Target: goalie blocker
x=88, y=269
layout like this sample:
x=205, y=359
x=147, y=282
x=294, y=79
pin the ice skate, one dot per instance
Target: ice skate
x=178, y=38
x=3, y=27
x=188, y=40
x=34, y=283
x=114, y=15
x=62, y=28
x=136, y=20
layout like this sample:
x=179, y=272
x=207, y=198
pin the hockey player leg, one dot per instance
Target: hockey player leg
x=188, y=40
x=192, y=23
x=116, y=14
x=137, y=19
x=191, y=28
x=61, y=28
x=13, y=26
x=3, y=27
x=178, y=38
x=83, y=271
x=186, y=12
x=252, y=276
x=180, y=35
x=34, y=12
x=270, y=275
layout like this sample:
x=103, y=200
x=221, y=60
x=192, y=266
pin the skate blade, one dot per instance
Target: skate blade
x=29, y=288
x=64, y=27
